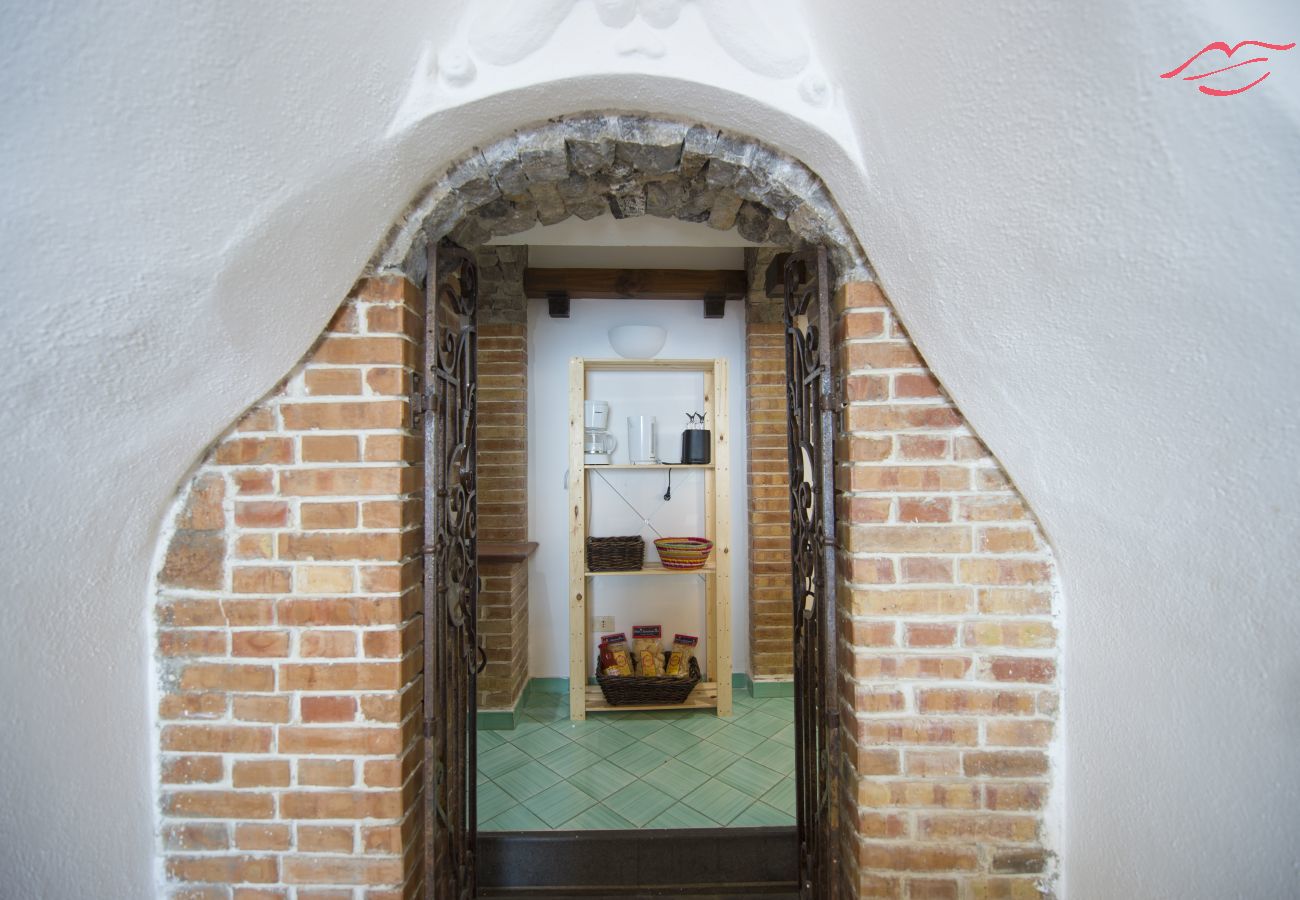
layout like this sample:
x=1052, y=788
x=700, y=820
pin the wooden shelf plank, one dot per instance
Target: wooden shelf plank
x=658, y=568
x=705, y=696
x=649, y=365
x=657, y=467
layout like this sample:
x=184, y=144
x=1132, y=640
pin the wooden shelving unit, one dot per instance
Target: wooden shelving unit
x=715, y=694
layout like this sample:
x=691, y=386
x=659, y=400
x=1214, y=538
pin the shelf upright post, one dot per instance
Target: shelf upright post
x=719, y=503
x=577, y=545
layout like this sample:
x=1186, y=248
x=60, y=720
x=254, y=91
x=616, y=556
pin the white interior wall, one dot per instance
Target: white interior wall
x=628, y=502
x=1098, y=263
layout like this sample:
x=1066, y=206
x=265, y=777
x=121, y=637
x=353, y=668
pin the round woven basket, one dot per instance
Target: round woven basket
x=684, y=552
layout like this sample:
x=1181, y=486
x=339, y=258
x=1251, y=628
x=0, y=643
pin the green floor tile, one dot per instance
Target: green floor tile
x=744, y=775
x=701, y=725
x=785, y=736
x=516, y=819
x=736, y=739
x=597, y=818
x=570, y=729
x=639, y=802
x=761, y=723
x=569, y=759
x=492, y=801
x=641, y=727
x=605, y=741
x=501, y=759
x=547, y=716
x=720, y=802
x=760, y=815
x=671, y=740
x=681, y=816
x=527, y=780
x=708, y=758
x=540, y=742
x=601, y=779
x=781, y=707
x=559, y=803
x=782, y=796
x=639, y=758
x=676, y=779
x=488, y=740
x=775, y=755
x=524, y=726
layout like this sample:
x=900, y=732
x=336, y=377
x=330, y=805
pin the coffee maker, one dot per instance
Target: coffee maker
x=597, y=442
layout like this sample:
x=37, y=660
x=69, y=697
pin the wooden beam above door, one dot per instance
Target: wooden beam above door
x=635, y=284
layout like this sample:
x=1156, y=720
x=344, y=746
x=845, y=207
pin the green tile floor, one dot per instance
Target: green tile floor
x=687, y=769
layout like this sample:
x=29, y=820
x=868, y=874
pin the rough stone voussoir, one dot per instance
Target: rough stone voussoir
x=502, y=159
x=544, y=154
x=590, y=144
x=650, y=146
x=697, y=148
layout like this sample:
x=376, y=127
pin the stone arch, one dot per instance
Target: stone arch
x=627, y=165
x=288, y=636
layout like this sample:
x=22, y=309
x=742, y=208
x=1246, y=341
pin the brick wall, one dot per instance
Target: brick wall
x=771, y=628
x=289, y=634
x=949, y=648
x=503, y=472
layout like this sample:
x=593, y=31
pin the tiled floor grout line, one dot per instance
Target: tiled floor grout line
x=638, y=770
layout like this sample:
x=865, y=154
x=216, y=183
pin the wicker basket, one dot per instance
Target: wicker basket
x=684, y=553
x=615, y=554
x=633, y=690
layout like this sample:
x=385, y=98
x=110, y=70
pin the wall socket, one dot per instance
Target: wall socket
x=604, y=623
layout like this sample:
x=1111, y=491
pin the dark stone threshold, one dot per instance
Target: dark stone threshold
x=697, y=862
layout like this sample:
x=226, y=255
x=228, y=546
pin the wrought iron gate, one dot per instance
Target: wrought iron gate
x=443, y=397
x=812, y=409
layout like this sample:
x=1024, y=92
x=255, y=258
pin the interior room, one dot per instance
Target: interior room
x=540, y=769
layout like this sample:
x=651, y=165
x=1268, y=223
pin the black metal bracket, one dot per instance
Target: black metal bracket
x=558, y=304
x=715, y=306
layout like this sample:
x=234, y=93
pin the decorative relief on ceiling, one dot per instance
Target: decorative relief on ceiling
x=759, y=49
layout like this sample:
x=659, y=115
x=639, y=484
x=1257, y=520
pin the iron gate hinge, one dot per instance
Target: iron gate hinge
x=419, y=402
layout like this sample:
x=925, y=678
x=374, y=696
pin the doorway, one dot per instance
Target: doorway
x=632, y=771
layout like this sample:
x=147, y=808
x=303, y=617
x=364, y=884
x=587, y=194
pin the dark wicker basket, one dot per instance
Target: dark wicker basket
x=633, y=690
x=615, y=554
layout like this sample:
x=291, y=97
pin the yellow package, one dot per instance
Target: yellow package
x=647, y=647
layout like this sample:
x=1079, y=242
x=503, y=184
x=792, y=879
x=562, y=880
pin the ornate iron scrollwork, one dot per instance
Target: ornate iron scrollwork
x=810, y=387
x=452, y=651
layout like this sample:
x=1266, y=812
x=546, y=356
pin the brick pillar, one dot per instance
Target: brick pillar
x=948, y=641
x=289, y=630
x=503, y=474
x=771, y=629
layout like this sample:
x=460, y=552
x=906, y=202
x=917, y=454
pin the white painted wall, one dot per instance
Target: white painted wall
x=628, y=502
x=1099, y=264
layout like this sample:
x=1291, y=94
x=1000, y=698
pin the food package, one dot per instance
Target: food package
x=679, y=660
x=614, y=657
x=648, y=649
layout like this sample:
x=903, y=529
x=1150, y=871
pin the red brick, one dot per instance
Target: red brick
x=1021, y=668
x=333, y=741
x=328, y=709
x=192, y=769
x=255, y=451
x=1004, y=763
x=260, y=773
x=216, y=738
x=224, y=869
x=220, y=804
x=259, y=643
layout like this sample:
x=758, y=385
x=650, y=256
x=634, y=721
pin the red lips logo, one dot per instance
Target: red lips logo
x=1228, y=51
